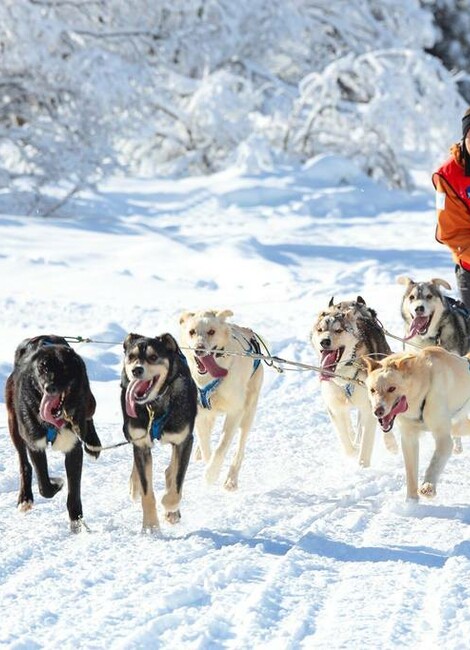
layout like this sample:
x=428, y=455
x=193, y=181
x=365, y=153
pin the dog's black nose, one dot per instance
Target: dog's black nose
x=379, y=412
x=50, y=388
x=325, y=343
x=138, y=371
x=419, y=310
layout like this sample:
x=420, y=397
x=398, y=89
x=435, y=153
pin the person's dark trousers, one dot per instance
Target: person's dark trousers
x=463, y=283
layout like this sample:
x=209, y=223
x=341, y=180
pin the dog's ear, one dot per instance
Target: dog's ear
x=443, y=283
x=404, y=279
x=360, y=300
x=225, y=313
x=404, y=361
x=371, y=364
x=185, y=315
x=332, y=301
x=130, y=340
x=169, y=342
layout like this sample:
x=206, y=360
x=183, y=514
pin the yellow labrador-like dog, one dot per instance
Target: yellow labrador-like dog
x=228, y=383
x=426, y=390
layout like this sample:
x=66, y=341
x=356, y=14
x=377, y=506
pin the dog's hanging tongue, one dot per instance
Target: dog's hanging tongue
x=212, y=366
x=137, y=388
x=49, y=405
x=328, y=364
x=399, y=407
x=419, y=325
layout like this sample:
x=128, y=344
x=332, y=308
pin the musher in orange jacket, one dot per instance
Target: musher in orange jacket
x=452, y=183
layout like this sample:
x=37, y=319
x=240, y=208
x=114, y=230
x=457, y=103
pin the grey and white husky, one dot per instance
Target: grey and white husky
x=432, y=318
x=343, y=334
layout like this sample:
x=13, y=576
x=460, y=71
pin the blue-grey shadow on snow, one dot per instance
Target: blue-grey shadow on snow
x=344, y=552
x=335, y=549
x=286, y=254
x=232, y=537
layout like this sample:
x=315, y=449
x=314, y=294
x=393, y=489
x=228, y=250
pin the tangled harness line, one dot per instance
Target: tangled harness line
x=270, y=360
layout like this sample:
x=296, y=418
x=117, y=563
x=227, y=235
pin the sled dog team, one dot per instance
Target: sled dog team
x=167, y=391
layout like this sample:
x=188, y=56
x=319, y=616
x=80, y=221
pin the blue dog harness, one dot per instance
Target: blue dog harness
x=155, y=425
x=51, y=435
x=204, y=393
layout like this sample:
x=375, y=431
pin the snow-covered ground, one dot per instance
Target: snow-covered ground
x=312, y=552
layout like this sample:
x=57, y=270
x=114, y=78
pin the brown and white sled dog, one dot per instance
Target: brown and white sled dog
x=159, y=403
x=432, y=318
x=228, y=384
x=343, y=335
x=426, y=390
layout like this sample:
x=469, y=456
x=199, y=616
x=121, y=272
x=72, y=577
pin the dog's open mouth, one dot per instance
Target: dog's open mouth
x=400, y=406
x=208, y=364
x=419, y=325
x=329, y=361
x=137, y=393
x=51, y=409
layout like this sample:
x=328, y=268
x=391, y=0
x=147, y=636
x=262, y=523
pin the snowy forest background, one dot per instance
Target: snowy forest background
x=93, y=87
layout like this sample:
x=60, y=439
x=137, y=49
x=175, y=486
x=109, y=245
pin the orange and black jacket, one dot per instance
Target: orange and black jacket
x=453, y=207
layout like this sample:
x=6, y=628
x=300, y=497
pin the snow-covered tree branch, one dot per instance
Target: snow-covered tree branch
x=88, y=86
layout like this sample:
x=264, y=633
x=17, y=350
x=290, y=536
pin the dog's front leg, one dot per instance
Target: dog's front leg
x=143, y=465
x=204, y=425
x=341, y=420
x=441, y=455
x=214, y=466
x=368, y=425
x=73, y=468
x=25, y=495
x=410, y=450
x=174, y=477
x=91, y=439
x=48, y=486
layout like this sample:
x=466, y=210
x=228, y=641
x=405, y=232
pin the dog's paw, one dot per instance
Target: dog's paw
x=231, y=484
x=173, y=517
x=92, y=451
x=150, y=529
x=25, y=506
x=427, y=490
x=48, y=491
x=390, y=443
x=79, y=526
x=457, y=448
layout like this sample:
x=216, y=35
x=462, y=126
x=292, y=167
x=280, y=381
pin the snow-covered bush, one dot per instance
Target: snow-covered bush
x=178, y=86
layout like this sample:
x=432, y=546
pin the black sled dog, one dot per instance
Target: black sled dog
x=49, y=402
x=159, y=403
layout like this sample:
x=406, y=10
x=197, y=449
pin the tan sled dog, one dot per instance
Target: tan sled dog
x=228, y=384
x=427, y=390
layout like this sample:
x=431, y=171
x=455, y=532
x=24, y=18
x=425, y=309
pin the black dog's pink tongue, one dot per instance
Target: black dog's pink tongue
x=50, y=403
x=328, y=361
x=136, y=387
x=212, y=367
x=418, y=325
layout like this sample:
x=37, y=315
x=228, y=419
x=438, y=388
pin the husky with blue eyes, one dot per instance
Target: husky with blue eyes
x=159, y=404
